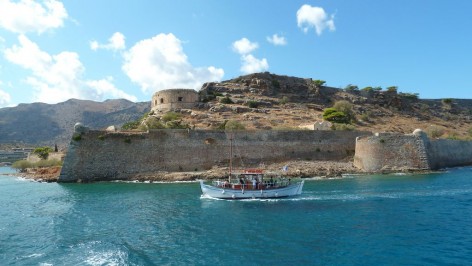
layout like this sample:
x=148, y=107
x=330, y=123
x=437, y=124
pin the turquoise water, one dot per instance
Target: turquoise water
x=365, y=220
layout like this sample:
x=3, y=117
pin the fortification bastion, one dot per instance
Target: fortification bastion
x=171, y=99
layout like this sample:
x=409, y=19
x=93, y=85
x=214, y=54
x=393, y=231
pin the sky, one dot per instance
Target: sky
x=51, y=51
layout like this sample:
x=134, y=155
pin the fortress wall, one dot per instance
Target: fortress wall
x=103, y=155
x=388, y=151
x=449, y=153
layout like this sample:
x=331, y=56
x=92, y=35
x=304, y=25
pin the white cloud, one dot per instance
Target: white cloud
x=244, y=46
x=160, y=63
x=57, y=78
x=5, y=98
x=31, y=16
x=277, y=40
x=115, y=43
x=250, y=64
x=314, y=17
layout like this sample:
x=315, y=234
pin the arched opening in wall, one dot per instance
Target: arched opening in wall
x=162, y=100
x=180, y=99
x=210, y=141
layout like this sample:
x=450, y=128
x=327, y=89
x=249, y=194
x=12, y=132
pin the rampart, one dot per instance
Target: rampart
x=100, y=155
x=397, y=152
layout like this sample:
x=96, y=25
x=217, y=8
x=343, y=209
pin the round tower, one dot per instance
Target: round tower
x=172, y=99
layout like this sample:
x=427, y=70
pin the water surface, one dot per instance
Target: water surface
x=364, y=220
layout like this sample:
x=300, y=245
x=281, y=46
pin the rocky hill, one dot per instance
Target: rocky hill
x=268, y=101
x=46, y=124
x=258, y=101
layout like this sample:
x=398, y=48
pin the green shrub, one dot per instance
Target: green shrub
x=22, y=165
x=318, y=82
x=76, y=137
x=234, y=125
x=127, y=140
x=170, y=116
x=447, y=101
x=48, y=163
x=154, y=123
x=276, y=83
x=101, y=137
x=351, y=87
x=43, y=152
x=252, y=104
x=333, y=115
x=131, y=125
x=226, y=100
x=392, y=89
x=434, y=131
x=368, y=89
x=345, y=127
x=284, y=100
x=176, y=124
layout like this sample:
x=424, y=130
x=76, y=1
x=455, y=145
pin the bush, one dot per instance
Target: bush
x=276, y=83
x=234, y=125
x=252, y=104
x=447, y=101
x=351, y=87
x=22, y=165
x=392, y=89
x=338, y=126
x=284, y=100
x=48, y=163
x=346, y=108
x=368, y=89
x=154, y=123
x=333, y=115
x=318, y=82
x=131, y=125
x=226, y=100
x=170, y=116
x=43, y=152
x=434, y=131
x=76, y=137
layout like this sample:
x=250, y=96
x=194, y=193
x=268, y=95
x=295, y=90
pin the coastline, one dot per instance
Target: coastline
x=296, y=169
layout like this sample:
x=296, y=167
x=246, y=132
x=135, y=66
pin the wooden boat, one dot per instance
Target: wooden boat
x=250, y=183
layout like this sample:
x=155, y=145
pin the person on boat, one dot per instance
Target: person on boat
x=271, y=183
x=254, y=183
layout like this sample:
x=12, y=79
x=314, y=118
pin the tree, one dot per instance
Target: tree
x=318, y=82
x=333, y=115
x=351, y=87
x=42, y=152
x=346, y=108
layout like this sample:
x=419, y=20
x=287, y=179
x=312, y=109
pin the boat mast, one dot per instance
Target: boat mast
x=230, y=156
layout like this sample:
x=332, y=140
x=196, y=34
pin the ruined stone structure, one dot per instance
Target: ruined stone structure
x=102, y=155
x=172, y=99
x=398, y=152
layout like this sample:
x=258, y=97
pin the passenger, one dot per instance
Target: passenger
x=254, y=183
x=271, y=181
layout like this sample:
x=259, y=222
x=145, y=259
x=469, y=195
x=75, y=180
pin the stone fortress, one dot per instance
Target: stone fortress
x=171, y=99
x=109, y=155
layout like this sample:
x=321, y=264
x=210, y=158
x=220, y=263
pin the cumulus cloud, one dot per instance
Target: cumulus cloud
x=244, y=46
x=31, y=16
x=57, y=78
x=249, y=63
x=115, y=43
x=277, y=40
x=160, y=63
x=5, y=98
x=314, y=17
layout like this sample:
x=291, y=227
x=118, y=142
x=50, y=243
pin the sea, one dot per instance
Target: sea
x=399, y=219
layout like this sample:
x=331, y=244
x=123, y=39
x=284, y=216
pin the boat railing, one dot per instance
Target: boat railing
x=266, y=184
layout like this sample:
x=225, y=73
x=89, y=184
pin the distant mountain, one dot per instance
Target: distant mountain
x=48, y=124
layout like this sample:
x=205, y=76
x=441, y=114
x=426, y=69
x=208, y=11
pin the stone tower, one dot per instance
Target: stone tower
x=172, y=99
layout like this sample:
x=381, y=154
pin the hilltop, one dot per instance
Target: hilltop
x=268, y=101
x=258, y=101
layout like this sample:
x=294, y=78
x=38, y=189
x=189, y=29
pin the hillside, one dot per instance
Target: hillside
x=283, y=102
x=260, y=101
x=47, y=124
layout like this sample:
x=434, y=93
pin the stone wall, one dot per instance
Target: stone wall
x=168, y=100
x=100, y=155
x=449, y=153
x=398, y=152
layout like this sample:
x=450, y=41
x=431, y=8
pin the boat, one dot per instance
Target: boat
x=251, y=184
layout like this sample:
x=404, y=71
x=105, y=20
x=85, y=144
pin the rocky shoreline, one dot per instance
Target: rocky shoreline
x=300, y=169
x=296, y=169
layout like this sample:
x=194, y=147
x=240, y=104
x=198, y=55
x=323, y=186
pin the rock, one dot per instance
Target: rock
x=111, y=128
x=79, y=128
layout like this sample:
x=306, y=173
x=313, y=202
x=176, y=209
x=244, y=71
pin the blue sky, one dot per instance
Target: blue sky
x=51, y=51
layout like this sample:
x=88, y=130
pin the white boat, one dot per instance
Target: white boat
x=250, y=184
x=277, y=188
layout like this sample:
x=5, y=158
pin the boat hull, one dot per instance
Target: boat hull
x=226, y=193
